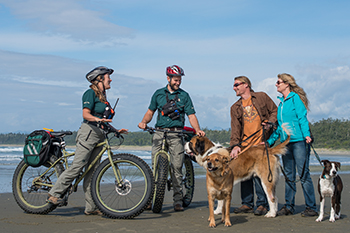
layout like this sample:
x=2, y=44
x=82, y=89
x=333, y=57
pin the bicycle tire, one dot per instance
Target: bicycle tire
x=133, y=197
x=161, y=181
x=187, y=182
x=30, y=197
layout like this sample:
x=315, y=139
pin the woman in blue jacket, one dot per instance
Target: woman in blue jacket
x=293, y=111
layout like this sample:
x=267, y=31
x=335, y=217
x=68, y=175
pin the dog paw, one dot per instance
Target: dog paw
x=228, y=224
x=319, y=219
x=212, y=224
x=332, y=219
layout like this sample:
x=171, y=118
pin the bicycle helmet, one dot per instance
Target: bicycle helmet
x=100, y=70
x=174, y=71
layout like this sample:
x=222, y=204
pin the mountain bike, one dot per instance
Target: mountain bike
x=121, y=186
x=161, y=172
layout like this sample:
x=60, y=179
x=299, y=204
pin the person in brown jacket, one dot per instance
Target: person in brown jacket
x=248, y=116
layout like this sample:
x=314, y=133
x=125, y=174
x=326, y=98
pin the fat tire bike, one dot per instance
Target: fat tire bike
x=161, y=173
x=121, y=186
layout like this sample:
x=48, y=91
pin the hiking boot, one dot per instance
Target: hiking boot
x=308, y=212
x=54, y=200
x=178, y=207
x=284, y=211
x=261, y=210
x=95, y=212
x=243, y=209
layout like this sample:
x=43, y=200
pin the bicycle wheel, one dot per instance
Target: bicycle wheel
x=161, y=180
x=28, y=193
x=126, y=200
x=187, y=182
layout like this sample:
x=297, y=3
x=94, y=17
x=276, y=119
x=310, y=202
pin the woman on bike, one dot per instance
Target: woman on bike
x=97, y=114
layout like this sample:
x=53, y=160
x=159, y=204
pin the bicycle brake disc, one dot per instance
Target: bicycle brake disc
x=124, y=188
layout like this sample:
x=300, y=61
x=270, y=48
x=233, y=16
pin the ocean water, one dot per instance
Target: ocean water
x=11, y=156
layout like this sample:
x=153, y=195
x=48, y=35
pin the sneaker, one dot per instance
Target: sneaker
x=95, y=212
x=308, y=212
x=261, y=210
x=54, y=200
x=243, y=209
x=178, y=207
x=284, y=211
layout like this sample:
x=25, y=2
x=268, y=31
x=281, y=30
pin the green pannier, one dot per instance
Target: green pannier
x=36, y=148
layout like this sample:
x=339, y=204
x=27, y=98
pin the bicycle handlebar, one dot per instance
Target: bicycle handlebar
x=151, y=130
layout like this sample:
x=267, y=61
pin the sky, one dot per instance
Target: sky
x=48, y=46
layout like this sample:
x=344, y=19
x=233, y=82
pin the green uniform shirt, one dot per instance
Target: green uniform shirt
x=184, y=105
x=92, y=102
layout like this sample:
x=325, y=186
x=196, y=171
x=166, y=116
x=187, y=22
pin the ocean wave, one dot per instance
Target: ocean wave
x=10, y=149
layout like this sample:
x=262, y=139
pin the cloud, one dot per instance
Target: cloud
x=45, y=91
x=326, y=86
x=68, y=19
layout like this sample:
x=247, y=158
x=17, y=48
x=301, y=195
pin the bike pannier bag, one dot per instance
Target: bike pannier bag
x=36, y=148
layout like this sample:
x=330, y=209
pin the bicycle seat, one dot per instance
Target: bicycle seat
x=60, y=134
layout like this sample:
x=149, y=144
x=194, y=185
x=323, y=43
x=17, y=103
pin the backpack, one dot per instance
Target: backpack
x=36, y=148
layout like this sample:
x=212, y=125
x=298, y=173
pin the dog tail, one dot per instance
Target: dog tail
x=281, y=148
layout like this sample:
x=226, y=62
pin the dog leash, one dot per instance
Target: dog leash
x=240, y=143
x=288, y=181
x=316, y=155
x=270, y=176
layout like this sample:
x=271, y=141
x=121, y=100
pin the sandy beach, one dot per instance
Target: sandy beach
x=193, y=219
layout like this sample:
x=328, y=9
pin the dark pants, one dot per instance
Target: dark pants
x=247, y=193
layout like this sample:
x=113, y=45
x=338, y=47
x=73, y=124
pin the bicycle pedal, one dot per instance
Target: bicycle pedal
x=64, y=203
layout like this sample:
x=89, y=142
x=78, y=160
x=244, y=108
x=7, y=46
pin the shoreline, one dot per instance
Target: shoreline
x=149, y=148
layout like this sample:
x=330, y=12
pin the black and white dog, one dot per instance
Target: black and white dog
x=330, y=185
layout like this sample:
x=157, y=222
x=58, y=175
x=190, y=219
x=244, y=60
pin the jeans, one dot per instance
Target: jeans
x=298, y=156
x=247, y=193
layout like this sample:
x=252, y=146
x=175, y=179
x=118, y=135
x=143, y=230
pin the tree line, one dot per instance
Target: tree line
x=328, y=133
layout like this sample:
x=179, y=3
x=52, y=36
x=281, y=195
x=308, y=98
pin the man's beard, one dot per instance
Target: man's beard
x=173, y=87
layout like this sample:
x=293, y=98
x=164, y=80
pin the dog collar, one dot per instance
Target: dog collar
x=212, y=150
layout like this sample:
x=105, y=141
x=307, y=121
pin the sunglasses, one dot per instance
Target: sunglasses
x=279, y=82
x=237, y=84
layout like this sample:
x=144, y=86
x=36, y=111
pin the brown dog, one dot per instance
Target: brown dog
x=251, y=162
x=219, y=186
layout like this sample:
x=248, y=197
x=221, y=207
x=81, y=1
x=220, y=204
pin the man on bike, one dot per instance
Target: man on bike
x=172, y=104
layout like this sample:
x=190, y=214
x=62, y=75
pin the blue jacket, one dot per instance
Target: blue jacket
x=293, y=112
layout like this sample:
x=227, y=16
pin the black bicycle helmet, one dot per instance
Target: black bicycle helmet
x=174, y=71
x=100, y=70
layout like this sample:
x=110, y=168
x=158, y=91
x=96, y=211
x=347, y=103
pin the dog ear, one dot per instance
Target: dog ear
x=226, y=159
x=200, y=146
x=325, y=161
x=337, y=164
x=206, y=158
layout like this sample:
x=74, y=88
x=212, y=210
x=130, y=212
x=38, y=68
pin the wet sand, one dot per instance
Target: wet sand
x=194, y=219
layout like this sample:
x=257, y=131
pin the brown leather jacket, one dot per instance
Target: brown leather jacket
x=266, y=108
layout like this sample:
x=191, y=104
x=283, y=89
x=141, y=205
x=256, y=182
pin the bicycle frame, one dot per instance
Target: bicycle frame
x=66, y=155
x=157, y=154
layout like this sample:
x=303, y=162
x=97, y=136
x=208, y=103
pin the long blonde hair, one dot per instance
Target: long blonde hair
x=293, y=86
x=100, y=94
